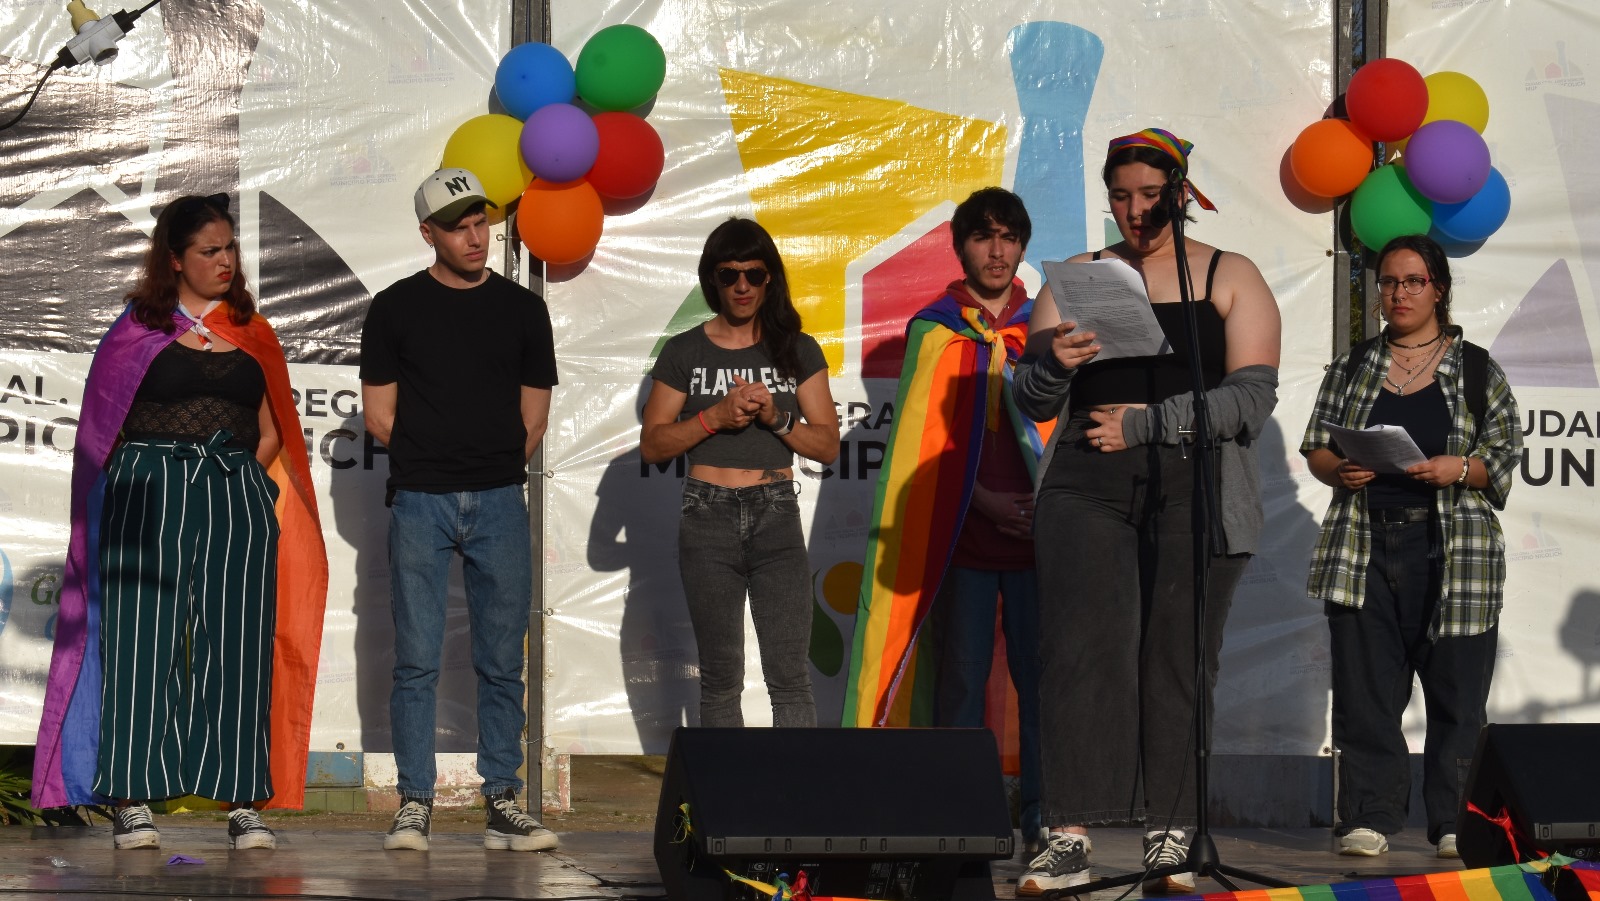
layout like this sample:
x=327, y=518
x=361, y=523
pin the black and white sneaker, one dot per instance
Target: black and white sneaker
x=246, y=830
x=409, y=831
x=1167, y=849
x=511, y=829
x=1062, y=864
x=132, y=827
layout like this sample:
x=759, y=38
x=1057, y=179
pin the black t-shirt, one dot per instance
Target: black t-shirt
x=691, y=363
x=460, y=358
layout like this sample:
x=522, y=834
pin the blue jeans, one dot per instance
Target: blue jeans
x=738, y=541
x=489, y=529
x=1378, y=649
x=963, y=621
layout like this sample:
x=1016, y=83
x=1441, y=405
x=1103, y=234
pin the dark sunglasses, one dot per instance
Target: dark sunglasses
x=727, y=276
x=218, y=202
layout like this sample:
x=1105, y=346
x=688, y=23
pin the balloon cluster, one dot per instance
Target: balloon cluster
x=1441, y=182
x=553, y=158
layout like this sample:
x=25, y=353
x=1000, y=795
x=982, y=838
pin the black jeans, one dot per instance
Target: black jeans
x=1378, y=649
x=1114, y=544
x=738, y=541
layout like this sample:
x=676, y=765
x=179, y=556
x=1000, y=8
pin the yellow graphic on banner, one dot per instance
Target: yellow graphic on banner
x=834, y=174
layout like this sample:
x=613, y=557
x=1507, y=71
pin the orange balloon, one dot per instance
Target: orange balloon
x=1331, y=157
x=560, y=223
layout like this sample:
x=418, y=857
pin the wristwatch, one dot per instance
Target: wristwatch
x=787, y=427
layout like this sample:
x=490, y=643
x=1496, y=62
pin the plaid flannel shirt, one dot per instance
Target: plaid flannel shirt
x=1474, y=548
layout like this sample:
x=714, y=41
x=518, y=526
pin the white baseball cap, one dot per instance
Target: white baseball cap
x=446, y=194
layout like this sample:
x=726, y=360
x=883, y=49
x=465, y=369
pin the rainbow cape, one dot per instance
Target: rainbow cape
x=956, y=381
x=69, y=732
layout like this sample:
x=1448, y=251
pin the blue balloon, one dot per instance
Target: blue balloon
x=1479, y=216
x=531, y=76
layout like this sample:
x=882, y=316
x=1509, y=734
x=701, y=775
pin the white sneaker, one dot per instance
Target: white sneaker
x=1447, y=847
x=1166, y=849
x=1063, y=863
x=1363, y=842
x=246, y=830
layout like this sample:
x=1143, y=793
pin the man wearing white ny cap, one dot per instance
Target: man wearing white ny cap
x=457, y=364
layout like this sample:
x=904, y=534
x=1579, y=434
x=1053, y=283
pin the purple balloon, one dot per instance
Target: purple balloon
x=559, y=142
x=1447, y=161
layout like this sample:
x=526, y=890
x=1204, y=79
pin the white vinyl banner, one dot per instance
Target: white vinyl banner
x=851, y=132
x=320, y=119
x=1528, y=295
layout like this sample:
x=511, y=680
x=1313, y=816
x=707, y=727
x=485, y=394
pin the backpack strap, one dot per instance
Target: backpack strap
x=1358, y=353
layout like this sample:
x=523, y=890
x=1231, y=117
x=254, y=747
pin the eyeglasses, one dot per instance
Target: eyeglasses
x=1413, y=283
x=727, y=276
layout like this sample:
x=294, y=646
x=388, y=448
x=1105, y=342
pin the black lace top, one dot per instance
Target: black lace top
x=188, y=394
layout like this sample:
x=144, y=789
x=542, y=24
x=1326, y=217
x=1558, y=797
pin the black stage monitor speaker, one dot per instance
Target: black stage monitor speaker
x=1536, y=774
x=899, y=814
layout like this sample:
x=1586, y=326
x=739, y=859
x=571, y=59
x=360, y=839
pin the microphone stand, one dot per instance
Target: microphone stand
x=1203, y=859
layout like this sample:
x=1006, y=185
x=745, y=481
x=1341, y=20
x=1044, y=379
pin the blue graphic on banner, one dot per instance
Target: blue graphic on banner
x=1055, y=66
x=5, y=590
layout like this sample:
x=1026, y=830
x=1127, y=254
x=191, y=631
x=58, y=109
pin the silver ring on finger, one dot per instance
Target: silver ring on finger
x=1097, y=442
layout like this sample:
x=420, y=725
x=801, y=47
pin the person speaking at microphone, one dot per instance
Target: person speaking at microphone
x=1112, y=522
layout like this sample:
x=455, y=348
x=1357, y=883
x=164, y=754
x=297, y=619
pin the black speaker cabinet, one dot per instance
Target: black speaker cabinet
x=897, y=814
x=1540, y=775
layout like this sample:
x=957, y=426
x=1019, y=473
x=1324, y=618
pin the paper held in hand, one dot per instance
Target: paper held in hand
x=1380, y=448
x=1107, y=297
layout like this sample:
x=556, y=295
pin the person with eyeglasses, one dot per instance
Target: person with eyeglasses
x=1411, y=566
x=191, y=607
x=741, y=395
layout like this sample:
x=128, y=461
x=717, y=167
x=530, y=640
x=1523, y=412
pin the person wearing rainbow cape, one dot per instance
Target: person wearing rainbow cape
x=953, y=516
x=191, y=609
x=1113, y=522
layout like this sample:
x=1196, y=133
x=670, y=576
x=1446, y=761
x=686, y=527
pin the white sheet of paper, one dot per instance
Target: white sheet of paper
x=1380, y=448
x=1107, y=297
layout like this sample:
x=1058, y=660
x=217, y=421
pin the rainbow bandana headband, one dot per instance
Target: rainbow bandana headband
x=1173, y=146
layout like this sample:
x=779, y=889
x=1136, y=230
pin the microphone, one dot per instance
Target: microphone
x=1171, y=200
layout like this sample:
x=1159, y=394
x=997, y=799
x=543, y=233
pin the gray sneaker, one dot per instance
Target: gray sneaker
x=1363, y=842
x=412, y=822
x=132, y=827
x=1063, y=863
x=1447, y=847
x=1167, y=849
x=246, y=830
x=511, y=829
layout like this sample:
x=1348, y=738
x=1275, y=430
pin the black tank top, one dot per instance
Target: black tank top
x=188, y=394
x=1153, y=379
x=1426, y=417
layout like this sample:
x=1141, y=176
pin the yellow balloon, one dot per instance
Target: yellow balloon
x=487, y=146
x=1452, y=95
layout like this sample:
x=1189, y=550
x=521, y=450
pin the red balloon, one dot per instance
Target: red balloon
x=560, y=223
x=631, y=156
x=1387, y=99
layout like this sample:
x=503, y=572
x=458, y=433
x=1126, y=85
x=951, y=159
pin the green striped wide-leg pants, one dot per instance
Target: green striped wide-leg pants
x=188, y=564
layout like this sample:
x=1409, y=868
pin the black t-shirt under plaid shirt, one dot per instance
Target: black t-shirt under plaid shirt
x=460, y=357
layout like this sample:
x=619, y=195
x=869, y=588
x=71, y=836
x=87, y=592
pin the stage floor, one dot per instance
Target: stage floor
x=349, y=862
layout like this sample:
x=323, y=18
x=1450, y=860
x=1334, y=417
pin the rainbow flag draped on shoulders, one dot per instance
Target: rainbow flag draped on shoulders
x=956, y=382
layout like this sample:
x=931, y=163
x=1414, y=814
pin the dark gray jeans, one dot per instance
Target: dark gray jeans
x=734, y=542
x=1379, y=648
x=1115, y=554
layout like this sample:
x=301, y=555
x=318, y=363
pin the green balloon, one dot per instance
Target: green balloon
x=620, y=68
x=1386, y=206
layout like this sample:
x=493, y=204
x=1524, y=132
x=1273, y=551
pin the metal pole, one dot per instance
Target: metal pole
x=530, y=21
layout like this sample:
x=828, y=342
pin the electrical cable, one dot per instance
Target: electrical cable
x=124, y=19
x=29, y=105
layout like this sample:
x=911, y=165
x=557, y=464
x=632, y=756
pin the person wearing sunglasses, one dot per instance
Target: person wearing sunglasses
x=191, y=607
x=1411, y=566
x=741, y=395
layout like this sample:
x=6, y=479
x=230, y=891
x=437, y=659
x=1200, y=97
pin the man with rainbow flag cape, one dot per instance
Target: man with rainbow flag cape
x=952, y=516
